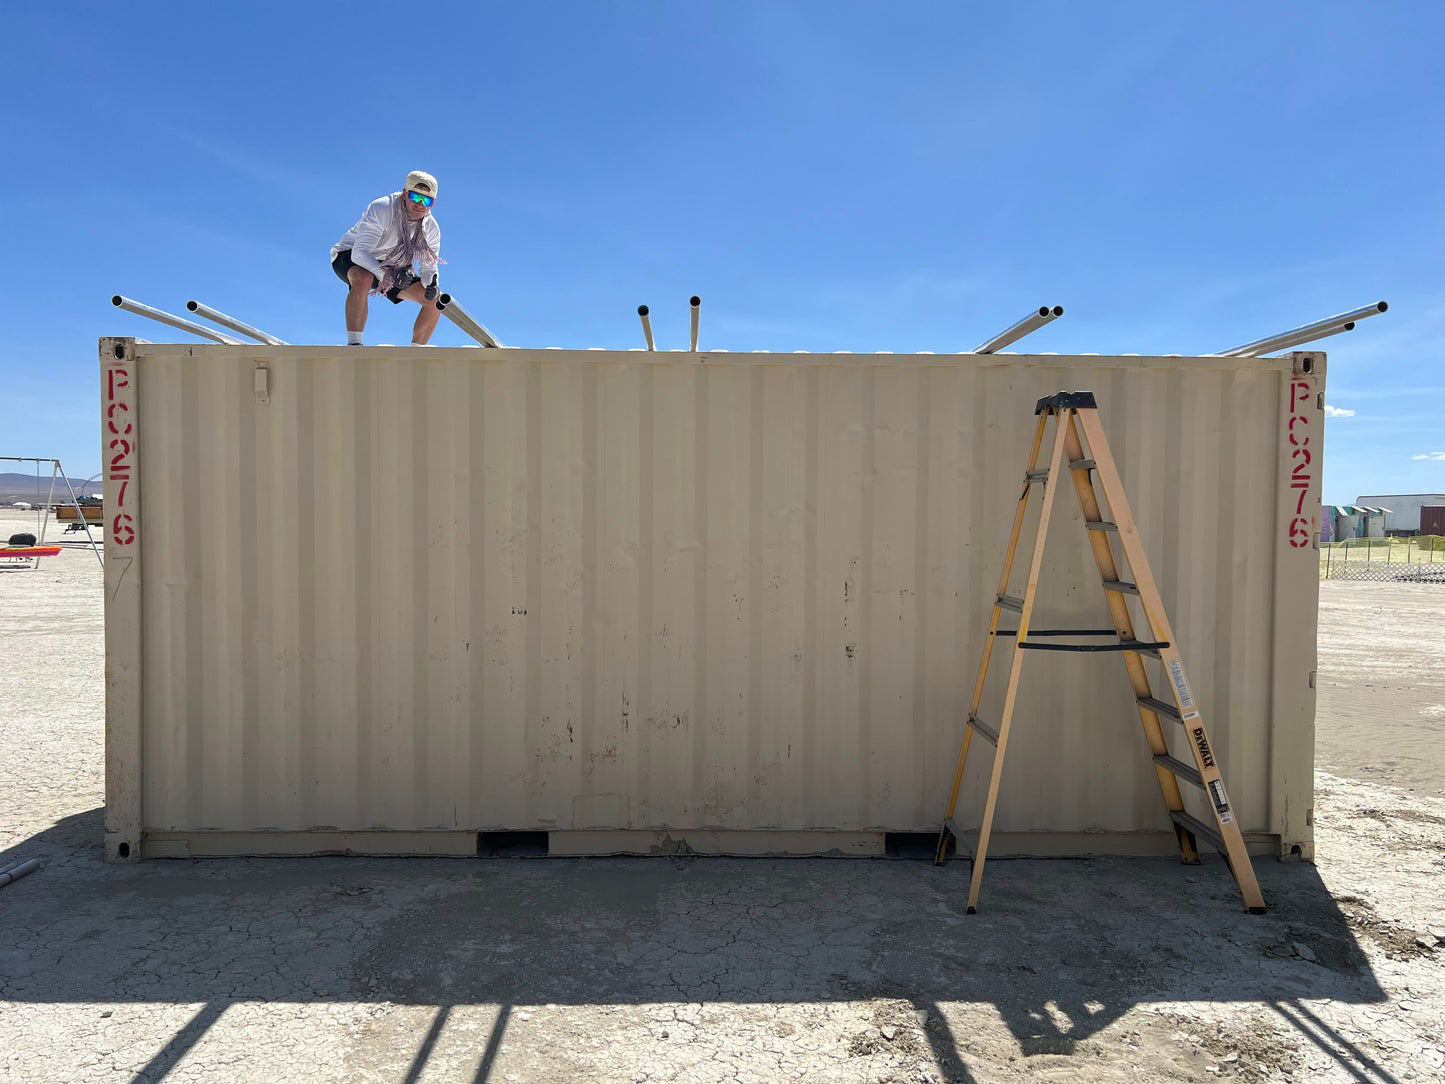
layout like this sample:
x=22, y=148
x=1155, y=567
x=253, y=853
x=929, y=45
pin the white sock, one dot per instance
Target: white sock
x=415, y=343
x=353, y=338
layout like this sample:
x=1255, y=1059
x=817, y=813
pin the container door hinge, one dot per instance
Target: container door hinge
x=263, y=383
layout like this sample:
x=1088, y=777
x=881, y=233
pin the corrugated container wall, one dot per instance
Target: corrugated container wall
x=382, y=599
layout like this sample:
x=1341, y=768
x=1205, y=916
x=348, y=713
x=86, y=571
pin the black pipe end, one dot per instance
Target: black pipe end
x=1058, y=310
x=116, y=299
x=1043, y=310
x=1350, y=326
x=641, y=310
x=694, y=301
x=445, y=299
x=1383, y=306
x=193, y=305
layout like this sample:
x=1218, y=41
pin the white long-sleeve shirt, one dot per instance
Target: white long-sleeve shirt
x=376, y=234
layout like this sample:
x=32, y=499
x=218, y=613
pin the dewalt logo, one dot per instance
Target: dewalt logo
x=1202, y=744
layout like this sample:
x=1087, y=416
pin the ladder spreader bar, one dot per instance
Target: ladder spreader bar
x=1198, y=827
x=1040, y=475
x=984, y=730
x=1161, y=709
x=1180, y=769
x=1100, y=525
x=1119, y=587
x=1127, y=645
x=1081, y=464
x=1009, y=602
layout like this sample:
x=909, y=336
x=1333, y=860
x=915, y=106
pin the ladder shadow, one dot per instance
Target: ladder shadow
x=1059, y=952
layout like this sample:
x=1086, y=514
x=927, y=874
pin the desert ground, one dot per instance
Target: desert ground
x=726, y=970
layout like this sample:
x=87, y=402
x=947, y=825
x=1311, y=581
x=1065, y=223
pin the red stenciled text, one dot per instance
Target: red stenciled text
x=1300, y=391
x=120, y=446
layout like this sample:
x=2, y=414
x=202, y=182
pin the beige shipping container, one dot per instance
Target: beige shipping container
x=392, y=600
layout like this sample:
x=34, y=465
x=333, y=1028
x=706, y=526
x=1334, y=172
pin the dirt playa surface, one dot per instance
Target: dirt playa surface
x=691, y=969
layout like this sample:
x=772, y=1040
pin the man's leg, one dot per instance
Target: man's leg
x=426, y=320
x=360, y=281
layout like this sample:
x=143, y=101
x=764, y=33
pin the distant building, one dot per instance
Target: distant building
x=1401, y=512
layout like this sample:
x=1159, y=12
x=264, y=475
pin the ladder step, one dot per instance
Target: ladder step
x=1009, y=602
x=1139, y=647
x=1040, y=475
x=1161, y=709
x=1198, y=827
x=1100, y=525
x=984, y=730
x=1081, y=464
x=1119, y=587
x=1180, y=769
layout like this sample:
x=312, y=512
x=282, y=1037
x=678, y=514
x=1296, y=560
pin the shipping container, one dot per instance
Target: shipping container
x=410, y=600
x=1432, y=519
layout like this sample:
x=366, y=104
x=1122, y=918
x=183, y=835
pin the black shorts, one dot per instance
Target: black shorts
x=343, y=263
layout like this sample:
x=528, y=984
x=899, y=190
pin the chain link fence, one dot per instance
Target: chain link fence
x=1386, y=560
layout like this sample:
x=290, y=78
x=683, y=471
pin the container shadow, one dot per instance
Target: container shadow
x=1060, y=949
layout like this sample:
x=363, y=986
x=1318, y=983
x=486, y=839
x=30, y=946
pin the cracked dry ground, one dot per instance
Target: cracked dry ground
x=689, y=969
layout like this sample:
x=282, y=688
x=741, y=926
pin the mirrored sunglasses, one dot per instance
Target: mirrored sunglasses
x=417, y=197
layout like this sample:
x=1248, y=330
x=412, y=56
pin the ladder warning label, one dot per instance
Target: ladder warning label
x=1181, y=687
x=1221, y=803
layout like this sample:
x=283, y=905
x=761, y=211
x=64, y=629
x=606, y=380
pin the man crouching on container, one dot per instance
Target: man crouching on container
x=376, y=256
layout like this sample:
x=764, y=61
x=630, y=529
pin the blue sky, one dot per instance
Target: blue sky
x=1181, y=177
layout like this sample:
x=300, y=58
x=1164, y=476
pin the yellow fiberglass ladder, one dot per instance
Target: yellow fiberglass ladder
x=1077, y=417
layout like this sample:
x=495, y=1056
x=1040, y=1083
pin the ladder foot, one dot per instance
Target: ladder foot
x=973, y=910
x=1258, y=910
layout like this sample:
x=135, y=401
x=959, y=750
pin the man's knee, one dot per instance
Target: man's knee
x=361, y=280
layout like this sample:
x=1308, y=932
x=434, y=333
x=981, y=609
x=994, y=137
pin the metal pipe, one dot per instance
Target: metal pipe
x=1030, y=323
x=217, y=317
x=449, y=307
x=694, y=302
x=14, y=873
x=646, y=327
x=1307, y=333
x=175, y=321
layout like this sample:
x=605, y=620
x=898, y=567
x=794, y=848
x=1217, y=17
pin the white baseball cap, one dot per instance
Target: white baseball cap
x=417, y=178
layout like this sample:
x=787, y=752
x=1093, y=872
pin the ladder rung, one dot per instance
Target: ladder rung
x=1198, y=827
x=1180, y=769
x=1040, y=475
x=1009, y=602
x=1119, y=587
x=984, y=729
x=1081, y=464
x=1100, y=525
x=1161, y=709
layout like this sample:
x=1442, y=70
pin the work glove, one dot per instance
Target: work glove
x=431, y=290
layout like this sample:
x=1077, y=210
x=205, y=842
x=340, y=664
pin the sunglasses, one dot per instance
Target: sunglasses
x=417, y=197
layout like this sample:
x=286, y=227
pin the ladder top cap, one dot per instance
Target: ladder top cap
x=1066, y=400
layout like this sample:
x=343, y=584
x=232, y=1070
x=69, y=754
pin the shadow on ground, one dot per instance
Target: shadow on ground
x=1061, y=948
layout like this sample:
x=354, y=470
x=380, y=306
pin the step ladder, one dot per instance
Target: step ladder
x=1079, y=447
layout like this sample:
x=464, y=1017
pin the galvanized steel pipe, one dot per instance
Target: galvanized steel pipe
x=646, y=327
x=1030, y=323
x=218, y=317
x=175, y=321
x=453, y=311
x=694, y=302
x=1307, y=333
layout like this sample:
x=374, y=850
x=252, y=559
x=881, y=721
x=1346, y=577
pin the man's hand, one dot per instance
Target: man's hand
x=431, y=290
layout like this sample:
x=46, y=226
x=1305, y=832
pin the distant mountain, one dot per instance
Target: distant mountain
x=21, y=487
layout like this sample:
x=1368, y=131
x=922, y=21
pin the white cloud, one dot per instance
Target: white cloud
x=1439, y=456
x=1336, y=412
